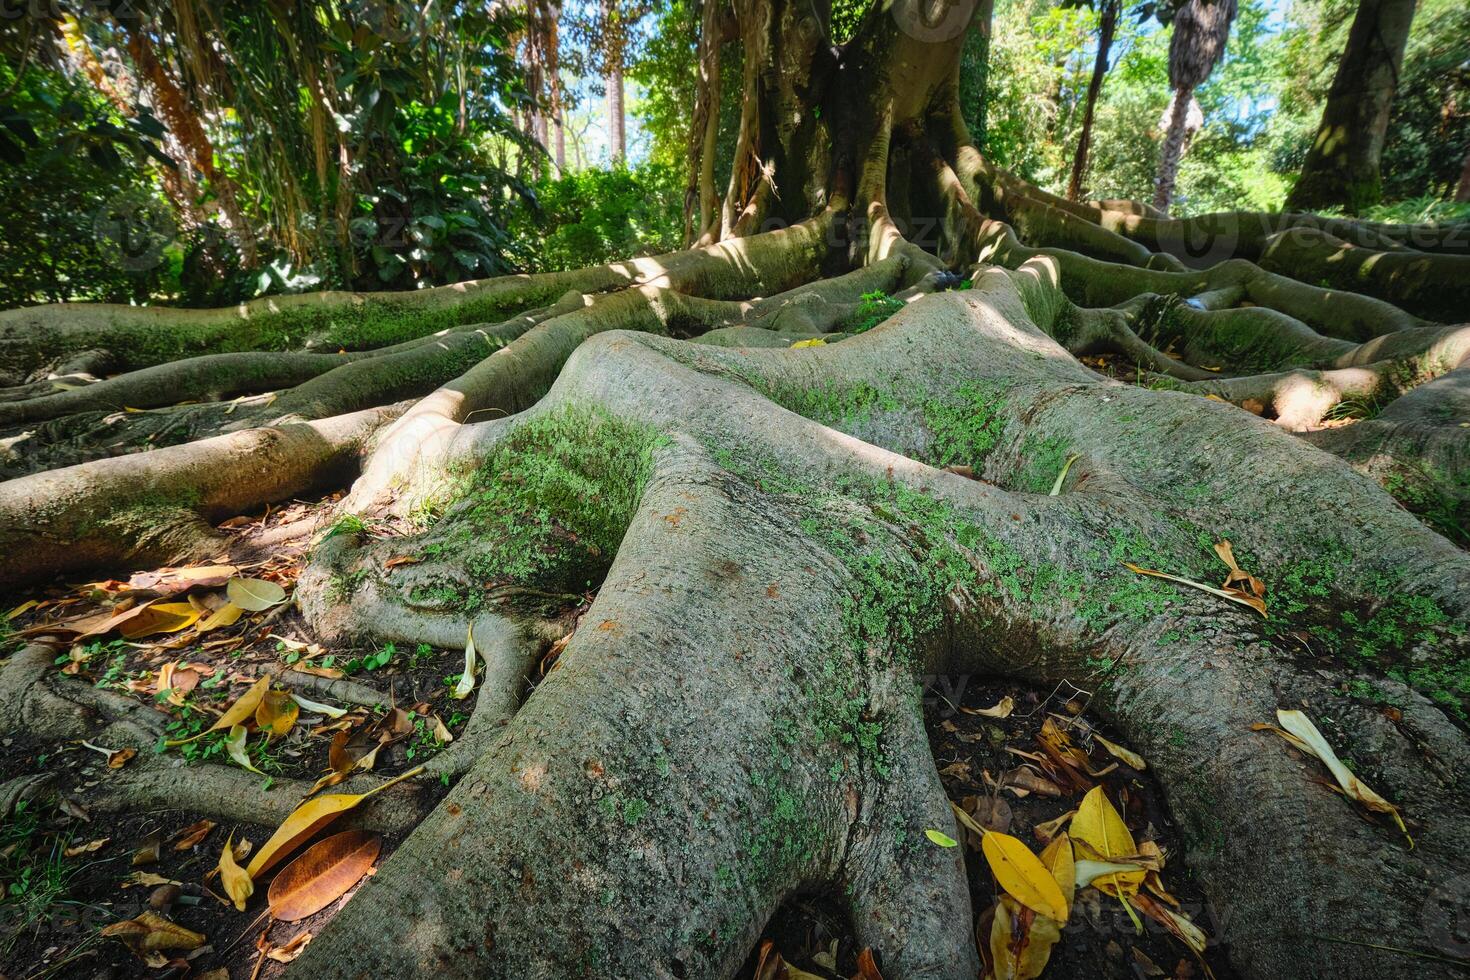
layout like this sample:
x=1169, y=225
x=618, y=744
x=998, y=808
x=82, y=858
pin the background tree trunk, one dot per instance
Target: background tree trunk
x=615, y=42
x=1173, y=148
x=1094, y=88
x=1342, y=165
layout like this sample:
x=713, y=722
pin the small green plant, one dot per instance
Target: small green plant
x=874, y=308
x=34, y=872
x=424, y=740
x=376, y=660
x=346, y=524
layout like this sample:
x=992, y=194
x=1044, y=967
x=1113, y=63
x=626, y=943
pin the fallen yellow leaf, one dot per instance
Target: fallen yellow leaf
x=159, y=617
x=276, y=713
x=1023, y=876
x=1099, y=825
x=307, y=819
x=238, y=885
x=227, y=615
x=239, y=712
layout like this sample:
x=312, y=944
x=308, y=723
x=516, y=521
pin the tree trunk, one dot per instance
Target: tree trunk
x=616, y=140
x=778, y=541
x=1172, y=149
x=1099, y=71
x=614, y=43
x=1462, y=189
x=1342, y=168
x=553, y=79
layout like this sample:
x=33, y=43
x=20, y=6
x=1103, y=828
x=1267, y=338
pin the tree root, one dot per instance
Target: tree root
x=155, y=507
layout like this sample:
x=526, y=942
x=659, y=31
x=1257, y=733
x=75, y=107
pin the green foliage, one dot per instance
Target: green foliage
x=83, y=216
x=35, y=873
x=597, y=216
x=874, y=308
x=444, y=219
x=1261, y=106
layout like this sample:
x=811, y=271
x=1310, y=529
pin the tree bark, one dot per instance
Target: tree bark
x=1342, y=167
x=1172, y=149
x=1106, y=27
x=614, y=43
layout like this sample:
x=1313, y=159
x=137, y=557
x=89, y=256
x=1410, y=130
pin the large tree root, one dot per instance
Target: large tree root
x=156, y=507
x=1000, y=581
x=877, y=567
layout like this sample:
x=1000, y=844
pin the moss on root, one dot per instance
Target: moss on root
x=146, y=340
x=549, y=505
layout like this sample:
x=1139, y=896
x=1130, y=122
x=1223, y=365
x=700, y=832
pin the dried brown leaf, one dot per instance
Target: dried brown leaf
x=323, y=874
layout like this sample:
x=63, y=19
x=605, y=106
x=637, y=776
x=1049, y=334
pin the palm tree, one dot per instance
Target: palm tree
x=1200, y=30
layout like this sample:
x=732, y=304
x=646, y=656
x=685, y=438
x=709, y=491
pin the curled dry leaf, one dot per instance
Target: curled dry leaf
x=1023, y=876
x=867, y=967
x=235, y=746
x=1237, y=574
x=1023, y=782
x=147, y=852
x=254, y=594
x=237, y=884
x=116, y=758
x=771, y=966
x=322, y=874
x=317, y=707
x=1118, y=752
x=240, y=712
x=1306, y=736
x=290, y=949
x=151, y=932
x=307, y=819
x=1001, y=709
x=167, y=581
x=346, y=756
x=193, y=834
x=1178, y=924
x=1045, y=832
x=175, y=680
x=91, y=847
x=467, y=679
x=1232, y=594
